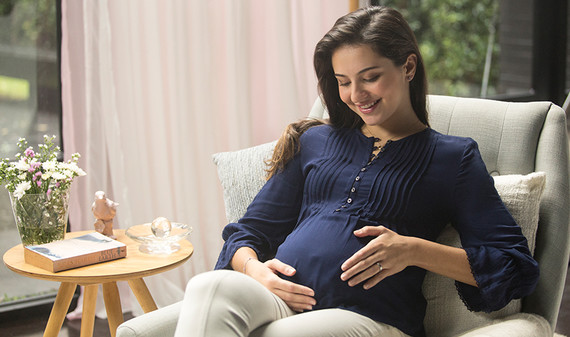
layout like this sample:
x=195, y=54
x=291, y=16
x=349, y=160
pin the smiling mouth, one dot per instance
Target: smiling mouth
x=368, y=107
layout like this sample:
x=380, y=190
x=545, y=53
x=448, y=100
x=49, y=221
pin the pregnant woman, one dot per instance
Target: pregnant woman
x=338, y=241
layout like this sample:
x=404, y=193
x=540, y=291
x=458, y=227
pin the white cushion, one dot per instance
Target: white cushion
x=242, y=174
x=521, y=194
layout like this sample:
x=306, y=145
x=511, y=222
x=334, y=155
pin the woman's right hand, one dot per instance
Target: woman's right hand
x=297, y=297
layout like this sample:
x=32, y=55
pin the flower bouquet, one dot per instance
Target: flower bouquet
x=39, y=190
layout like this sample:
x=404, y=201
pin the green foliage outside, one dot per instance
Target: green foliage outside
x=28, y=23
x=454, y=38
x=7, y=299
x=28, y=50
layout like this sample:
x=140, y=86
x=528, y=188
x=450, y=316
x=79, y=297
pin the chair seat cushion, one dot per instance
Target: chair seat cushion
x=517, y=325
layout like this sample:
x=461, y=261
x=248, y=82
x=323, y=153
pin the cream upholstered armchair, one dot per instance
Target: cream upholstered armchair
x=525, y=148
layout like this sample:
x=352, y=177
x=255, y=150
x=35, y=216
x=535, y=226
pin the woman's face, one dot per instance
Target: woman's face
x=372, y=85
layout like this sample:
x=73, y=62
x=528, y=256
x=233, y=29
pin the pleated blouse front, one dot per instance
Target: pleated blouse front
x=305, y=216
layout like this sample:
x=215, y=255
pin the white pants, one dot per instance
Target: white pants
x=228, y=303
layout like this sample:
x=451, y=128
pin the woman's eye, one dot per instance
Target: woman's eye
x=372, y=79
x=345, y=84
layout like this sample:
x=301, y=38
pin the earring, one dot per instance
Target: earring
x=409, y=78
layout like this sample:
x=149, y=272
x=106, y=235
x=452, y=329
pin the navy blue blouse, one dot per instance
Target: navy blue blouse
x=305, y=216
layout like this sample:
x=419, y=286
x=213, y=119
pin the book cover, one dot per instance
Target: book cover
x=75, y=252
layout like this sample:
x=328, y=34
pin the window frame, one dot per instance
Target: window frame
x=549, y=60
x=9, y=309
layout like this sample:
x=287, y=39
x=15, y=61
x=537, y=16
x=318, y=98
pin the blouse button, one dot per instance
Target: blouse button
x=353, y=189
x=363, y=169
x=357, y=178
x=349, y=200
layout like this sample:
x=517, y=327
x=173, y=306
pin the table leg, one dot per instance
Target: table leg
x=60, y=307
x=142, y=294
x=112, y=306
x=88, y=315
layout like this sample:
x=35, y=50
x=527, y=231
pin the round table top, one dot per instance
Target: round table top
x=135, y=265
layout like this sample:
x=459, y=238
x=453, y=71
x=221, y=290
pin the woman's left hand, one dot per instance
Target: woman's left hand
x=387, y=254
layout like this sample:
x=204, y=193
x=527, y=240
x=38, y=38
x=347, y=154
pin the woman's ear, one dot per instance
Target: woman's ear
x=410, y=67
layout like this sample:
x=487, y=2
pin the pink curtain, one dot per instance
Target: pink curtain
x=151, y=89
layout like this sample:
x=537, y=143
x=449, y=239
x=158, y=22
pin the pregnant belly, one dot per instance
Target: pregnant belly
x=316, y=251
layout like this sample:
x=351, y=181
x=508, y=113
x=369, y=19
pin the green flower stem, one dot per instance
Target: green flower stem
x=41, y=218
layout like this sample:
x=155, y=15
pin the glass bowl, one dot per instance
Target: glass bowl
x=152, y=244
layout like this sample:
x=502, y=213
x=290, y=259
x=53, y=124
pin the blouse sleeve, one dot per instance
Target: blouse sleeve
x=498, y=253
x=270, y=217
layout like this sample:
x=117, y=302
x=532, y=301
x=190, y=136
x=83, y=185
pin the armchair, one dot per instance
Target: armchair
x=515, y=139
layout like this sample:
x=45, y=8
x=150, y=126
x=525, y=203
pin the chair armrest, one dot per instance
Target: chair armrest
x=517, y=325
x=161, y=322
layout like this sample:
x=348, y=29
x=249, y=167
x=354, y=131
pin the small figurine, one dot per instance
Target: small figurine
x=104, y=210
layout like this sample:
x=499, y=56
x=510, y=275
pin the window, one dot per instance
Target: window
x=502, y=49
x=30, y=106
x=466, y=44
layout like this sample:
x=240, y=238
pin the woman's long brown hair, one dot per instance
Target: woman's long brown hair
x=389, y=35
x=288, y=144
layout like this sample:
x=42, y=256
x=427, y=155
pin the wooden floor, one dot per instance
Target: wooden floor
x=31, y=322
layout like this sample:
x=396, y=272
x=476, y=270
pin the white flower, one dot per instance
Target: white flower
x=73, y=167
x=38, y=173
x=22, y=165
x=49, y=166
x=68, y=173
x=21, y=189
x=59, y=176
x=80, y=172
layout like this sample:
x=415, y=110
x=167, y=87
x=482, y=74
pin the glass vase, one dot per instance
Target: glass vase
x=41, y=218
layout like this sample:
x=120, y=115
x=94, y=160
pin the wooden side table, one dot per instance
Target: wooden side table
x=131, y=268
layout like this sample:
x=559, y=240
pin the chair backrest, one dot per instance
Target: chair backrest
x=519, y=138
x=522, y=138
